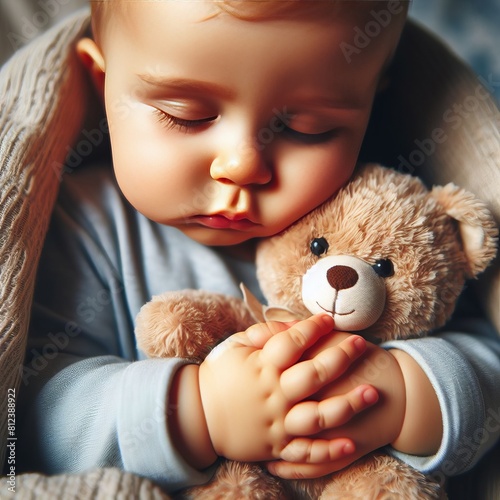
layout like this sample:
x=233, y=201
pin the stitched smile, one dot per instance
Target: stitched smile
x=333, y=312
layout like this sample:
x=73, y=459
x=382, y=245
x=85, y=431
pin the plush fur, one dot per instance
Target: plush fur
x=434, y=239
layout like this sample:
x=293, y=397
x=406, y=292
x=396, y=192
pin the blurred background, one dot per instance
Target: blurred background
x=470, y=27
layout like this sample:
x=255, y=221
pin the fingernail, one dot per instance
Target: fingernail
x=271, y=468
x=349, y=448
x=360, y=344
x=327, y=320
x=370, y=395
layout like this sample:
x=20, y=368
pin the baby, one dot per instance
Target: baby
x=228, y=120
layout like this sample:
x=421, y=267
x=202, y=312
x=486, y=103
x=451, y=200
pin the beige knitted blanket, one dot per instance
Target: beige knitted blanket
x=44, y=97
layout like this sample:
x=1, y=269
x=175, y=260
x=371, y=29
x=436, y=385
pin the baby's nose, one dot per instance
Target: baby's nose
x=342, y=277
x=243, y=166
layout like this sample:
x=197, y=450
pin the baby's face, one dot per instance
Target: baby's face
x=230, y=129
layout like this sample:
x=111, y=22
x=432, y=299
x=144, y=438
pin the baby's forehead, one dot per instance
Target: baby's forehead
x=367, y=25
x=185, y=35
x=251, y=10
x=354, y=39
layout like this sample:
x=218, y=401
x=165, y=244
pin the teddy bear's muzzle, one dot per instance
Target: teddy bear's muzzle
x=346, y=287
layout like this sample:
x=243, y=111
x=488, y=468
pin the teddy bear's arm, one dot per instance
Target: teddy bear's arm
x=189, y=323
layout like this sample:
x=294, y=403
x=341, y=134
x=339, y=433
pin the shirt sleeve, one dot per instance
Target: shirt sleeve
x=103, y=412
x=88, y=398
x=464, y=369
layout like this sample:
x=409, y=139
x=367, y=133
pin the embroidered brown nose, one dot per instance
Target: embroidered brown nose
x=341, y=277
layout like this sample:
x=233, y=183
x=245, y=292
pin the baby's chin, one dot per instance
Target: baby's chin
x=218, y=237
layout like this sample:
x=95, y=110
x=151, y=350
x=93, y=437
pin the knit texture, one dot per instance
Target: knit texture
x=99, y=484
x=44, y=95
x=42, y=108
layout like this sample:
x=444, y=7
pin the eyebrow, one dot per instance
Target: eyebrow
x=203, y=88
x=187, y=85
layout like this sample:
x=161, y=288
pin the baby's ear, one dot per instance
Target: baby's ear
x=478, y=230
x=91, y=57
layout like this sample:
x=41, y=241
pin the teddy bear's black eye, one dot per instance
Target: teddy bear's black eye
x=384, y=268
x=319, y=246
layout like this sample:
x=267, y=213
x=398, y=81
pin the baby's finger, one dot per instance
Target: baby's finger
x=317, y=451
x=311, y=417
x=306, y=378
x=286, y=347
x=291, y=470
x=259, y=334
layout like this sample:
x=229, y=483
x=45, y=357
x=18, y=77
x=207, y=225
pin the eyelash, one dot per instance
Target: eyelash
x=311, y=138
x=173, y=122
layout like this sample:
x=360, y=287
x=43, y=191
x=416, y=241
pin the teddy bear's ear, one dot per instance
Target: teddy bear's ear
x=275, y=313
x=478, y=230
x=262, y=313
x=252, y=302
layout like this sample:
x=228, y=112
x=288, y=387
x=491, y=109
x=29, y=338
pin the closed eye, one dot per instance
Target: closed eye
x=181, y=124
x=306, y=138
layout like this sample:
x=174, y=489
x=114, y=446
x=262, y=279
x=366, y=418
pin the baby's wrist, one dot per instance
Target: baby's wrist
x=187, y=421
x=421, y=431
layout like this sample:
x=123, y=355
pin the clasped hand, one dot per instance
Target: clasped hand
x=256, y=393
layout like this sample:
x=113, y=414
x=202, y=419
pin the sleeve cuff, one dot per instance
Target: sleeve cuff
x=460, y=397
x=144, y=440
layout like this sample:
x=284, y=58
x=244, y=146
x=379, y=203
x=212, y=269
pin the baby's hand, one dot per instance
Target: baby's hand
x=378, y=427
x=253, y=384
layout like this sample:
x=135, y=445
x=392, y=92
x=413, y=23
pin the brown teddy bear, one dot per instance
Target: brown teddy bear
x=387, y=258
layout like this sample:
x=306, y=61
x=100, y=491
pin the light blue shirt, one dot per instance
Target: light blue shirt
x=90, y=399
